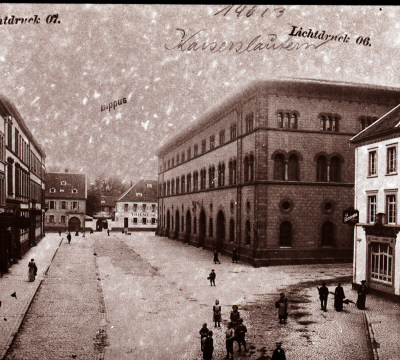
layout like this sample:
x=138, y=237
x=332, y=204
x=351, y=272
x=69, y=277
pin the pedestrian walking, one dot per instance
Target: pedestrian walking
x=216, y=259
x=279, y=353
x=362, y=295
x=235, y=316
x=32, y=270
x=108, y=232
x=282, y=306
x=69, y=238
x=234, y=255
x=59, y=232
x=240, y=335
x=230, y=336
x=339, y=297
x=212, y=277
x=217, y=314
x=203, y=334
x=208, y=346
x=323, y=295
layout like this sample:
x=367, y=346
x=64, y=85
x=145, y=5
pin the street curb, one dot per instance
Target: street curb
x=371, y=337
x=21, y=318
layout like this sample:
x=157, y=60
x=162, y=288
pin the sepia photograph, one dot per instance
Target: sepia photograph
x=183, y=181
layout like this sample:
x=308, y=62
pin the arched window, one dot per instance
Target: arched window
x=285, y=234
x=211, y=176
x=251, y=168
x=177, y=185
x=293, y=121
x=203, y=178
x=280, y=120
x=234, y=171
x=248, y=232
x=334, y=169
x=328, y=234
x=279, y=167
x=286, y=120
x=183, y=184
x=246, y=169
x=293, y=168
x=321, y=168
x=195, y=180
x=221, y=174
x=189, y=182
x=172, y=187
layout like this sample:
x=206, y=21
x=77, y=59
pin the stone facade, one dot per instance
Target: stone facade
x=279, y=171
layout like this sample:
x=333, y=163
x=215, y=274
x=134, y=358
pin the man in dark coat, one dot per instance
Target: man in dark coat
x=212, y=277
x=234, y=255
x=69, y=238
x=362, y=295
x=323, y=295
x=339, y=297
x=216, y=259
x=279, y=353
x=240, y=335
x=203, y=334
x=208, y=347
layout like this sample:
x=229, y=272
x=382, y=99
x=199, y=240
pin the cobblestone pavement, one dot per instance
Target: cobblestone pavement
x=13, y=309
x=64, y=317
x=146, y=297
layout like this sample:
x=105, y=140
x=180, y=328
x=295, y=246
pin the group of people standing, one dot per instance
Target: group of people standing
x=235, y=332
x=340, y=297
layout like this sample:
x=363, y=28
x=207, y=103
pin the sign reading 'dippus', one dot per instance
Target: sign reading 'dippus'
x=350, y=216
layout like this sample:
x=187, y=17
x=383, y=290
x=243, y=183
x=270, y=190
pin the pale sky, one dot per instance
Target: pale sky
x=59, y=75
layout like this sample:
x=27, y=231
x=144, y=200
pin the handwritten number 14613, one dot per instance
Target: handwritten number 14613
x=249, y=10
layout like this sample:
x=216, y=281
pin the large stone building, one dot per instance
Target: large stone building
x=269, y=171
x=66, y=195
x=136, y=209
x=377, y=179
x=22, y=185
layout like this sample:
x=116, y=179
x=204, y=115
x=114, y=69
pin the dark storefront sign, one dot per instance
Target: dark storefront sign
x=350, y=216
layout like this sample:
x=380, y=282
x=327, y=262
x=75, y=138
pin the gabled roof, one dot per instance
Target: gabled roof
x=72, y=181
x=143, y=191
x=387, y=124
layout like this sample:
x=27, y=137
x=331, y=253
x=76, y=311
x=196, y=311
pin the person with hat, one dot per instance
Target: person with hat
x=212, y=277
x=339, y=297
x=216, y=258
x=203, y=334
x=362, y=295
x=279, y=353
x=69, y=238
x=282, y=306
x=323, y=295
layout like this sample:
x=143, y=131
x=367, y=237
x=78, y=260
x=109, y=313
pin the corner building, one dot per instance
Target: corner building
x=270, y=171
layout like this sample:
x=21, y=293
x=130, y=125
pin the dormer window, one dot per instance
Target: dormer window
x=149, y=186
x=52, y=190
x=61, y=190
x=74, y=191
x=63, y=182
x=139, y=194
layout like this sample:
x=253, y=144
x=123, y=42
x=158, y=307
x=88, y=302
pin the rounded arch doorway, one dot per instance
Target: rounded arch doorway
x=74, y=224
x=188, y=226
x=202, y=228
x=220, y=231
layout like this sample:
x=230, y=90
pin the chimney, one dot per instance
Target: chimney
x=66, y=170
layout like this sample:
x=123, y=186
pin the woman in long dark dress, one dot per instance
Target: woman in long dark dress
x=362, y=295
x=339, y=296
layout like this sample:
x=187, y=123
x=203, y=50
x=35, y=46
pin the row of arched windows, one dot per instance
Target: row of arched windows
x=287, y=167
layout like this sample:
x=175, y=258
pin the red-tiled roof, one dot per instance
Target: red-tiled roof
x=143, y=191
x=72, y=181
